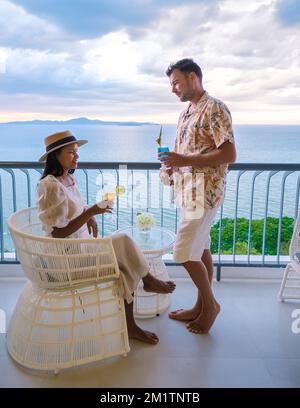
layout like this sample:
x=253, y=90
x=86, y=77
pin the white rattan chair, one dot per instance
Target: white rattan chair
x=71, y=312
x=290, y=285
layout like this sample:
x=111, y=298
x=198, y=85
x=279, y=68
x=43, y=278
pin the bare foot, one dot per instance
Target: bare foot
x=143, y=335
x=152, y=284
x=184, y=315
x=204, y=321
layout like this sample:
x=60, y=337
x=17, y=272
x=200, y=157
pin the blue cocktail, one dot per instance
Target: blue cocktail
x=162, y=149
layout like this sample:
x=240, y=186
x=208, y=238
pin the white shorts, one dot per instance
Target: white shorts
x=193, y=235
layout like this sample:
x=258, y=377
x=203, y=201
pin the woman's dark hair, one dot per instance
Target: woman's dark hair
x=186, y=66
x=53, y=166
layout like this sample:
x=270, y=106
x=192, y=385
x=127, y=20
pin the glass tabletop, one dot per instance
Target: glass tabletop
x=157, y=240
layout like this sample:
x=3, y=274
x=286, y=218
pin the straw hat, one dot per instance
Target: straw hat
x=58, y=140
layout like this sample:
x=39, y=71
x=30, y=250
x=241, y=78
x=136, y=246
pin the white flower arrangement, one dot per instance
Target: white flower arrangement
x=145, y=221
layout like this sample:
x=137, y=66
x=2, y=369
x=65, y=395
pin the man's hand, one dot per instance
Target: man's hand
x=169, y=171
x=92, y=227
x=173, y=159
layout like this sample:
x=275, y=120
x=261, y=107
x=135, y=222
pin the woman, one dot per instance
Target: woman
x=64, y=214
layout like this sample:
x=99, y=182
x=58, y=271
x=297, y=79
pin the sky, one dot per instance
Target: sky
x=106, y=59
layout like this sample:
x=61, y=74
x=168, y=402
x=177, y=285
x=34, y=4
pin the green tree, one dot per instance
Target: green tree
x=256, y=235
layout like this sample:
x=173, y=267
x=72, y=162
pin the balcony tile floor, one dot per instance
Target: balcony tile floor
x=250, y=345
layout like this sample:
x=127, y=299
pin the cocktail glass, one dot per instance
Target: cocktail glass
x=162, y=149
x=109, y=196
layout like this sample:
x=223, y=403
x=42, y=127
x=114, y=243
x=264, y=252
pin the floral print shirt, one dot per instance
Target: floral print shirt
x=201, y=130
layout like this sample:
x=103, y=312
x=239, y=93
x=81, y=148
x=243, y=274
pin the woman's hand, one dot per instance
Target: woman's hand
x=92, y=227
x=86, y=217
x=96, y=209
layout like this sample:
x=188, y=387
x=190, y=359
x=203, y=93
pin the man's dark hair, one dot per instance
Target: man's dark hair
x=53, y=166
x=186, y=66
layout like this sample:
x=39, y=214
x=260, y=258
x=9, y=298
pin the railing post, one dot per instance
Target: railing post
x=218, y=272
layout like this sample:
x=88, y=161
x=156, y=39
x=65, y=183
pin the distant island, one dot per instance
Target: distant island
x=78, y=121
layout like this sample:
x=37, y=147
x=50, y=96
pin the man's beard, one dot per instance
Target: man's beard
x=187, y=96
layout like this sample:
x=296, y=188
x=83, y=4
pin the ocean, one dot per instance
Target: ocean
x=255, y=144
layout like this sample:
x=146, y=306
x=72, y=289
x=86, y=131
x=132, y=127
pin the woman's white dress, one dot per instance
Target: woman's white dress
x=58, y=205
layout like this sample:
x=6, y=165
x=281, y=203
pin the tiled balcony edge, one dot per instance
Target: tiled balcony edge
x=177, y=271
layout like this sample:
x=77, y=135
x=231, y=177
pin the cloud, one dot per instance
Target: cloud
x=249, y=57
x=20, y=29
x=93, y=18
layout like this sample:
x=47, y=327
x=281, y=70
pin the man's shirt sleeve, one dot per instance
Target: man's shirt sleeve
x=221, y=124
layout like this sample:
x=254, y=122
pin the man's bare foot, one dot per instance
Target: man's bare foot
x=143, y=335
x=152, y=284
x=184, y=315
x=203, y=323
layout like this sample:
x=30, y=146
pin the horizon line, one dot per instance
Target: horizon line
x=143, y=122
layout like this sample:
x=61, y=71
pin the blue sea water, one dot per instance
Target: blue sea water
x=255, y=144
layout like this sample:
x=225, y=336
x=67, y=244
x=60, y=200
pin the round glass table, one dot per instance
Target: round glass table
x=154, y=244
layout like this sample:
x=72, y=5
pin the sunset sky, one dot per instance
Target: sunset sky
x=106, y=59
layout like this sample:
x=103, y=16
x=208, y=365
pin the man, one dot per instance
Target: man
x=197, y=170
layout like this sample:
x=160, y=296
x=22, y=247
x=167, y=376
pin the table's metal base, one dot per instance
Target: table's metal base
x=149, y=304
